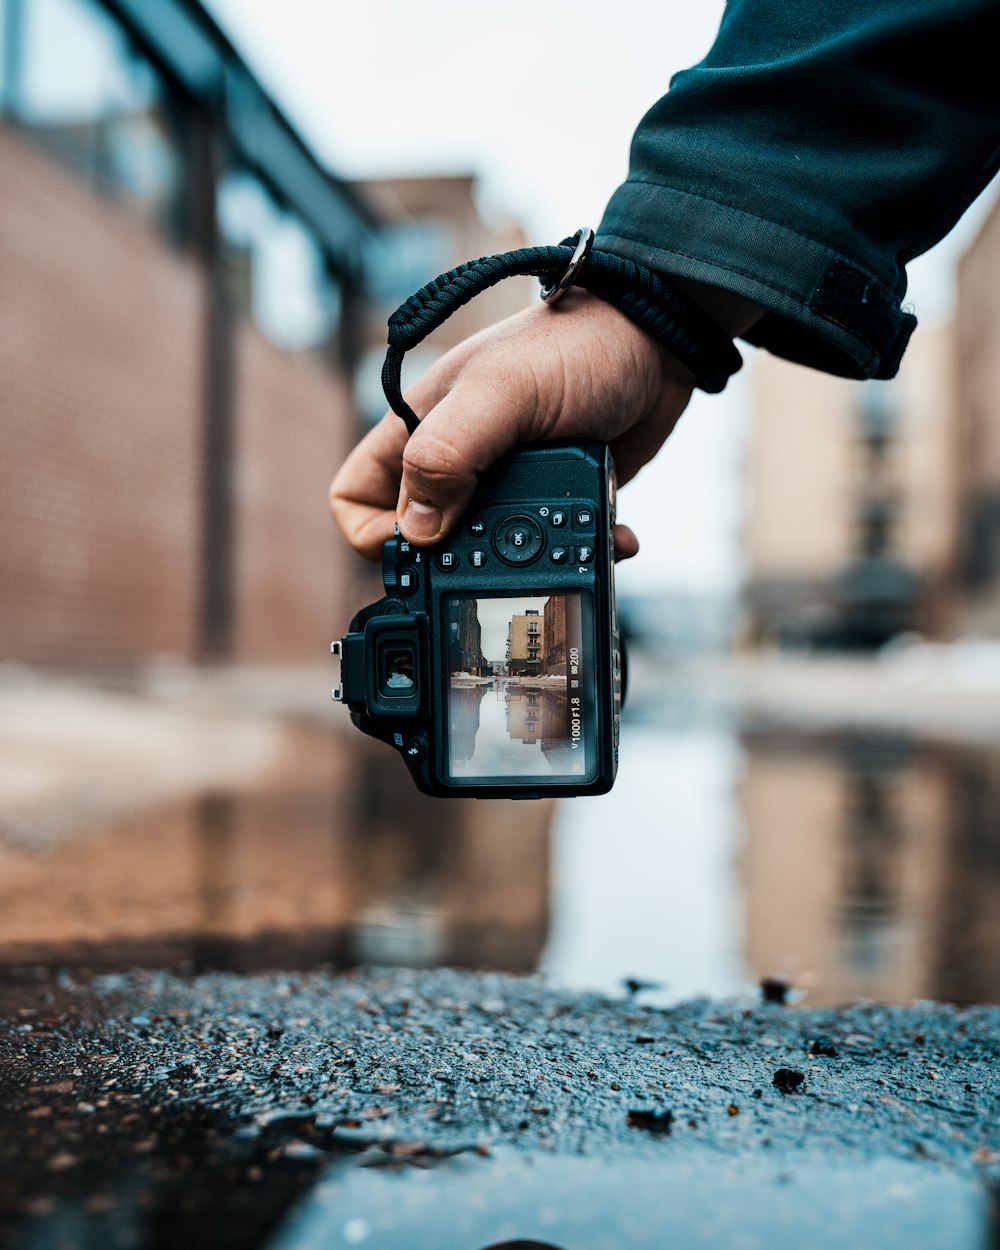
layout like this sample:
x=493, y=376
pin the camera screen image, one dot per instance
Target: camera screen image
x=520, y=687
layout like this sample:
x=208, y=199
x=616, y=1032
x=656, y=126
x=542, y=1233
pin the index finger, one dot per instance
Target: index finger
x=364, y=492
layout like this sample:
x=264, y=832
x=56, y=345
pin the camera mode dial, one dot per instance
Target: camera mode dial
x=518, y=539
x=390, y=554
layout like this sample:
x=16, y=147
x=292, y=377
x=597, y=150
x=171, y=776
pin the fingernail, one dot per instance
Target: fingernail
x=420, y=520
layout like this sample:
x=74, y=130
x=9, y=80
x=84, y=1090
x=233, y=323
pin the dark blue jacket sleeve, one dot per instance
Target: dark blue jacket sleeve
x=818, y=147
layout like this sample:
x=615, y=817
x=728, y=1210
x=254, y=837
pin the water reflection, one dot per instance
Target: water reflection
x=872, y=866
x=504, y=728
x=334, y=858
x=855, y=865
x=646, y=880
x=463, y=709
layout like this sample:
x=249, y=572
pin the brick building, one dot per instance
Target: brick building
x=179, y=291
x=977, y=382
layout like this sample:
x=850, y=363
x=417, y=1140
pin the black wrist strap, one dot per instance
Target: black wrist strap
x=671, y=318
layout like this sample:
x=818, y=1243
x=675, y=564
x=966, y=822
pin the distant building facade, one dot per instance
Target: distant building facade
x=852, y=518
x=874, y=507
x=525, y=641
x=977, y=388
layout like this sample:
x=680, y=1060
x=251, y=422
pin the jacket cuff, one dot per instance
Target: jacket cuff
x=824, y=310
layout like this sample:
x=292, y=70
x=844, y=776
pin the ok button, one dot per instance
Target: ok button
x=518, y=539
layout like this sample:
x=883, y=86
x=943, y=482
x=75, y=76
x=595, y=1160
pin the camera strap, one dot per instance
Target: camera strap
x=642, y=295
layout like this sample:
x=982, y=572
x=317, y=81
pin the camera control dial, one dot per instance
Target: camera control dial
x=518, y=539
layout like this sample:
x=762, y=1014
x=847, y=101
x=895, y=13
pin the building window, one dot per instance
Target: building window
x=404, y=255
x=274, y=268
x=74, y=84
x=876, y=530
x=877, y=410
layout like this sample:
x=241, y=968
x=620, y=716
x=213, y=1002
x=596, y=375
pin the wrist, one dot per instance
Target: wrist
x=732, y=313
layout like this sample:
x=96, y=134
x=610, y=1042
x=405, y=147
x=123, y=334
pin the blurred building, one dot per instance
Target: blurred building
x=180, y=293
x=680, y=622
x=852, y=522
x=977, y=377
x=430, y=224
x=874, y=507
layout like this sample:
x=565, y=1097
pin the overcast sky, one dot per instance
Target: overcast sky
x=495, y=617
x=540, y=98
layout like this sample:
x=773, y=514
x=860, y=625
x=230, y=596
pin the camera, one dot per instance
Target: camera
x=493, y=663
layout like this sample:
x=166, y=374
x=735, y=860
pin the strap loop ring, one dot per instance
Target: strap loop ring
x=584, y=240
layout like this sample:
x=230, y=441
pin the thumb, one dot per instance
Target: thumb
x=461, y=437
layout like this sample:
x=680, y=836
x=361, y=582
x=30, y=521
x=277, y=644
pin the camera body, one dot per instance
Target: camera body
x=493, y=664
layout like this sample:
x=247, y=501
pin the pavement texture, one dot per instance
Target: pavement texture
x=150, y=1109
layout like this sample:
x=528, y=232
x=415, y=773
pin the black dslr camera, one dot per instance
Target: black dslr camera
x=493, y=663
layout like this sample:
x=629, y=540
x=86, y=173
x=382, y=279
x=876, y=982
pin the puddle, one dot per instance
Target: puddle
x=852, y=865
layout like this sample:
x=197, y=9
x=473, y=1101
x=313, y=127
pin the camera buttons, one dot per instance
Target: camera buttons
x=414, y=750
x=407, y=581
x=518, y=539
x=477, y=559
x=557, y=519
x=477, y=529
x=447, y=560
x=584, y=518
x=585, y=554
x=559, y=555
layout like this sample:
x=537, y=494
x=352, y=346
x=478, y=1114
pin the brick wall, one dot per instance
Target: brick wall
x=292, y=570
x=101, y=401
x=100, y=395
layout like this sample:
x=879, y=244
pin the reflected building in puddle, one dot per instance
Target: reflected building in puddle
x=463, y=711
x=524, y=710
x=871, y=867
x=335, y=857
x=541, y=716
x=470, y=881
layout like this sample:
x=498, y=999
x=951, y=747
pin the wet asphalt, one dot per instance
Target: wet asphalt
x=150, y=1110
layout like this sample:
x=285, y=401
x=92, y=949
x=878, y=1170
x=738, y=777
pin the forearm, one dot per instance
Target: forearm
x=808, y=157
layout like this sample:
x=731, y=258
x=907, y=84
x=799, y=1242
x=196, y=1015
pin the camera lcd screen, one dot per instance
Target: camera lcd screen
x=520, y=688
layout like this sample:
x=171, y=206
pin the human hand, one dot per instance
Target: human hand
x=578, y=369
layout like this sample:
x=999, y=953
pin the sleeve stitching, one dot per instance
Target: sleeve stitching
x=793, y=295
x=777, y=225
